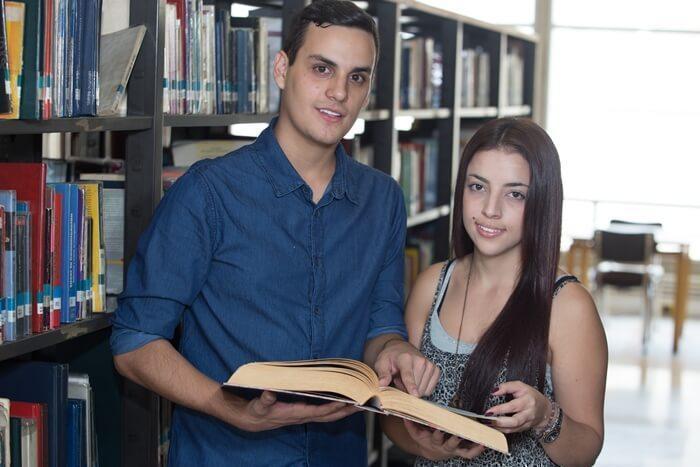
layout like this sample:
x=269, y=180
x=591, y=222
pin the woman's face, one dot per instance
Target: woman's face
x=494, y=201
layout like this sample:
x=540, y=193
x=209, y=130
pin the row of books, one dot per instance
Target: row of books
x=515, y=76
x=55, y=62
x=418, y=255
x=218, y=64
x=419, y=174
x=476, y=82
x=46, y=416
x=53, y=256
x=421, y=73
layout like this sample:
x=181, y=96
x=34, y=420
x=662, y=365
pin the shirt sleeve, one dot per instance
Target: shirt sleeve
x=169, y=267
x=386, y=314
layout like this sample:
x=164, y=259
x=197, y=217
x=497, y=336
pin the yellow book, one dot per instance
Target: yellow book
x=353, y=382
x=14, y=27
x=97, y=263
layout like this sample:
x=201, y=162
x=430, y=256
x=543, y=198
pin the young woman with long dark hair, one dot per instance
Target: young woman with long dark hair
x=512, y=334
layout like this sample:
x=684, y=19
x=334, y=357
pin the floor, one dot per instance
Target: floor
x=651, y=411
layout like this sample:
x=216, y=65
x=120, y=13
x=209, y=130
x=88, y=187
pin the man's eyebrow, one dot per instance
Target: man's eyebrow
x=329, y=62
x=511, y=184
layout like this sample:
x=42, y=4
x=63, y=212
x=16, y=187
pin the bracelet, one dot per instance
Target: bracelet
x=551, y=431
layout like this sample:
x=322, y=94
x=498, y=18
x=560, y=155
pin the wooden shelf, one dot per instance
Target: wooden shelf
x=515, y=111
x=428, y=216
x=66, y=332
x=75, y=125
x=425, y=114
x=375, y=115
x=214, y=120
x=478, y=112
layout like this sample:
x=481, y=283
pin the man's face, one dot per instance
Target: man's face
x=328, y=84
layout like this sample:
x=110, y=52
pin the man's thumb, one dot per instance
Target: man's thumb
x=262, y=404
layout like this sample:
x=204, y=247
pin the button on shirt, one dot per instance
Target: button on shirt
x=239, y=254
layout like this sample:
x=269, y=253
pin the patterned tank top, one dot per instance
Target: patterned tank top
x=439, y=347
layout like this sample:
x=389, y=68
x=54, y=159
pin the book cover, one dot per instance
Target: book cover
x=14, y=30
x=45, y=383
x=3, y=311
x=33, y=422
x=8, y=199
x=92, y=208
x=29, y=180
x=75, y=433
x=79, y=388
x=56, y=267
x=31, y=60
x=24, y=261
x=118, y=52
x=4, y=431
x=5, y=91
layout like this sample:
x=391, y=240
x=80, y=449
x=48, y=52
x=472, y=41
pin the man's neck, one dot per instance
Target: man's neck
x=314, y=163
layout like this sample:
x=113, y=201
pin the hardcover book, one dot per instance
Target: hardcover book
x=355, y=383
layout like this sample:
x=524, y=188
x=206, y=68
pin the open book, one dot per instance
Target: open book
x=355, y=383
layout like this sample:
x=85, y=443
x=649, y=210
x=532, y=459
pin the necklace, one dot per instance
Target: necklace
x=464, y=307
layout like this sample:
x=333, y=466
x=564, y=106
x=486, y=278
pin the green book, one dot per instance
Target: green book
x=29, y=101
x=15, y=441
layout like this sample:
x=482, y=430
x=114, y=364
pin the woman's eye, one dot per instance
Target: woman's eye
x=359, y=79
x=517, y=195
x=476, y=187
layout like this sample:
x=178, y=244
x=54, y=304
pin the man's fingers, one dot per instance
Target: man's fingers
x=470, y=453
x=432, y=383
x=261, y=405
x=406, y=370
x=383, y=369
x=337, y=415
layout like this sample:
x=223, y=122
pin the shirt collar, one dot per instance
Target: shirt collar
x=285, y=179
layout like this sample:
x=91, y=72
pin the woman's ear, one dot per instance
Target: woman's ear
x=280, y=68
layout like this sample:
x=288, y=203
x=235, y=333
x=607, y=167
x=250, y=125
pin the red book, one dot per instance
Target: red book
x=29, y=180
x=36, y=412
x=56, y=232
x=2, y=267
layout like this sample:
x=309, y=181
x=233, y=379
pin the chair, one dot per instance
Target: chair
x=626, y=260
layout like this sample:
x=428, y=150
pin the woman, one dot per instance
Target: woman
x=514, y=337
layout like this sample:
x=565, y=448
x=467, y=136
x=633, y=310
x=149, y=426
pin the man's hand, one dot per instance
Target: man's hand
x=436, y=445
x=407, y=367
x=266, y=413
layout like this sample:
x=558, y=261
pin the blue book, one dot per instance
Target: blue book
x=8, y=199
x=75, y=433
x=69, y=210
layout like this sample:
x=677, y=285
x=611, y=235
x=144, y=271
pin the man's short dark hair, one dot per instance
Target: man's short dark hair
x=324, y=13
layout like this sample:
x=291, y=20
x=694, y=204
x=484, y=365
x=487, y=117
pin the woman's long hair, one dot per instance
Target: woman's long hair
x=519, y=335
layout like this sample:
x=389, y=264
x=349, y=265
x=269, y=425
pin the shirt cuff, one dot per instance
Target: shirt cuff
x=400, y=330
x=125, y=340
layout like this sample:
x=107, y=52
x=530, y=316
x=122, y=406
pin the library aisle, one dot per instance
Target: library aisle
x=651, y=407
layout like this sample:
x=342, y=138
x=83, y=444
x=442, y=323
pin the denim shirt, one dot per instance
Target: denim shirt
x=239, y=254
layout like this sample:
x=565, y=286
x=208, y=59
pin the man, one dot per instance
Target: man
x=286, y=249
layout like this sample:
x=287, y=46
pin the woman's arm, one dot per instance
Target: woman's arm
x=579, y=369
x=579, y=366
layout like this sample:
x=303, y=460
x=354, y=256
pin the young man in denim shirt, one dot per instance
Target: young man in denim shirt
x=286, y=249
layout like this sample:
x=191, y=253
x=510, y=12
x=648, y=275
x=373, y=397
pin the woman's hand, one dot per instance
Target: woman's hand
x=435, y=445
x=529, y=408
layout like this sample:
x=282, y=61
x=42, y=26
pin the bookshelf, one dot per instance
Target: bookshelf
x=135, y=413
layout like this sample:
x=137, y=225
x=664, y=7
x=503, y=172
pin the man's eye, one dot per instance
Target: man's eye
x=321, y=69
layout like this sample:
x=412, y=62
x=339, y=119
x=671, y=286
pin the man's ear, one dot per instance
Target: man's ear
x=280, y=68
